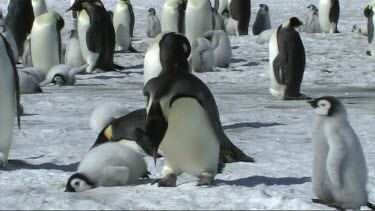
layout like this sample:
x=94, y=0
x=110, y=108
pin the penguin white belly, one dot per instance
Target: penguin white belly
x=198, y=19
x=169, y=19
x=73, y=54
x=372, y=44
x=190, y=144
x=39, y=7
x=230, y=27
x=276, y=89
x=7, y=103
x=223, y=4
x=324, y=8
x=45, y=43
x=121, y=22
x=152, y=66
x=83, y=26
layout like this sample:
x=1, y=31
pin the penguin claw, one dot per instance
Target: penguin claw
x=168, y=181
x=300, y=97
x=206, y=179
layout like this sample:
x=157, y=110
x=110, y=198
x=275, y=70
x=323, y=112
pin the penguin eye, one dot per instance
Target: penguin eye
x=76, y=183
x=2, y=29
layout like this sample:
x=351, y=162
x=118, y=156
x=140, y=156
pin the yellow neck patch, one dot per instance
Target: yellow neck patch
x=108, y=133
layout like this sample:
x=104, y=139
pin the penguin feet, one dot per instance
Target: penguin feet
x=299, y=97
x=329, y=204
x=368, y=53
x=2, y=165
x=168, y=181
x=146, y=175
x=206, y=179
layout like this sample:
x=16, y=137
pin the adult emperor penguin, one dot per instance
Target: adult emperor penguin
x=20, y=18
x=5, y=31
x=63, y=75
x=152, y=66
x=229, y=24
x=369, y=14
x=171, y=95
x=73, y=54
x=39, y=7
x=96, y=35
x=202, y=56
x=198, y=19
x=329, y=15
x=46, y=41
x=339, y=166
x=110, y=164
x=153, y=24
x=221, y=47
x=123, y=21
x=262, y=21
x=172, y=16
x=240, y=12
x=9, y=99
x=287, y=61
x=27, y=60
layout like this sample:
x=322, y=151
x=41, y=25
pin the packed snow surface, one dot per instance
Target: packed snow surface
x=56, y=133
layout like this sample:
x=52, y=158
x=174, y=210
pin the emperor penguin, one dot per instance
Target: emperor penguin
x=218, y=20
x=20, y=19
x=105, y=113
x=46, y=47
x=287, y=61
x=96, y=35
x=28, y=84
x=198, y=19
x=39, y=7
x=329, y=15
x=5, y=31
x=262, y=21
x=202, y=56
x=73, y=54
x=264, y=37
x=27, y=60
x=175, y=95
x=240, y=12
x=229, y=24
x=123, y=21
x=36, y=74
x=62, y=75
x=221, y=5
x=153, y=24
x=222, y=48
x=152, y=66
x=9, y=99
x=312, y=24
x=110, y=164
x=339, y=166
x=172, y=16
x=360, y=29
x=369, y=14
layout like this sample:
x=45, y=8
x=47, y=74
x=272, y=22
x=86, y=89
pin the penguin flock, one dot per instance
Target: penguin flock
x=181, y=121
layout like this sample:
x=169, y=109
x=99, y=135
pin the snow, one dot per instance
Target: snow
x=55, y=132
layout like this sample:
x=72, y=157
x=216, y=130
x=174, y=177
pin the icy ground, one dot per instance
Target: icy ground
x=55, y=132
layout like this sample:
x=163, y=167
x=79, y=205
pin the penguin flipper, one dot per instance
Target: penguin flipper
x=94, y=40
x=370, y=26
x=278, y=63
x=132, y=19
x=370, y=205
x=334, y=12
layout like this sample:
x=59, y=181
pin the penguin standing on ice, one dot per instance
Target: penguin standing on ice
x=183, y=119
x=240, y=12
x=153, y=24
x=339, y=166
x=123, y=22
x=9, y=99
x=262, y=21
x=329, y=15
x=172, y=16
x=369, y=12
x=96, y=35
x=202, y=56
x=20, y=19
x=73, y=54
x=110, y=164
x=287, y=61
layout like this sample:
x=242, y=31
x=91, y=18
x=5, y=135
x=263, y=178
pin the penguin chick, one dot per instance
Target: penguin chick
x=339, y=166
x=110, y=164
x=28, y=84
x=26, y=57
x=62, y=75
x=104, y=114
x=39, y=77
x=153, y=24
x=202, y=58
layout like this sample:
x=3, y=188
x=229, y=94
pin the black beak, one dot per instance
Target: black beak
x=313, y=103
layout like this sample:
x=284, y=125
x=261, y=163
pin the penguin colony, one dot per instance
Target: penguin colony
x=191, y=36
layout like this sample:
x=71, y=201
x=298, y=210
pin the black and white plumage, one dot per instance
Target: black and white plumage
x=5, y=31
x=202, y=56
x=123, y=22
x=221, y=46
x=339, y=166
x=62, y=75
x=73, y=54
x=360, y=29
x=240, y=12
x=39, y=7
x=153, y=24
x=369, y=12
x=110, y=164
x=262, y=21
x=329, y=12
x=172, y=16
x=27, y=60
x=312, y=24
x=287, y=61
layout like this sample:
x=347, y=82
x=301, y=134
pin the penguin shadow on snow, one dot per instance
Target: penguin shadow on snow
x=14, y=165
x=268, y=181
x=250, y=124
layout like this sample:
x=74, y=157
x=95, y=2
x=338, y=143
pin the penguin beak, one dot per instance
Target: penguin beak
x=313, y=103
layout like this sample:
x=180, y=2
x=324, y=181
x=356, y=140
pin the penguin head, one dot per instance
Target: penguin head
x=311, y=7
x=151, y=11
x=78, y=182
x=326, y=106
x=174, y=51
x=316, y=12
x=82, y=4
x=295, y=22
x=58, y=79
x=263, y=7
x=225, y=13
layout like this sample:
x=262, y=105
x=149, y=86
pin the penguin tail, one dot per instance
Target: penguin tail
x=370, y=205
x=118, y=67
